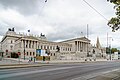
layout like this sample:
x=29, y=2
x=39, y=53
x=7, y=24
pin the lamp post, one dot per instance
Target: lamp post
x=110, y=51
x=111, y=39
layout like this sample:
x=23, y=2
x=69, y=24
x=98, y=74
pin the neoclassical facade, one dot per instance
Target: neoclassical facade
x=98, y=51
x=26, y=46
x=0, y=46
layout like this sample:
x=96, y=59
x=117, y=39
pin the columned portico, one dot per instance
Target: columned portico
x=81, y=46
x=22, y=44
x=76, y=46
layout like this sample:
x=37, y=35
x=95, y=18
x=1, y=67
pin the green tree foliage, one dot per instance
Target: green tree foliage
x=108, y=50
x=114, y=50
x=114, y=22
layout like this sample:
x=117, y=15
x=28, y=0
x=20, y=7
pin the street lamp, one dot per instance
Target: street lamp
x=111, y=39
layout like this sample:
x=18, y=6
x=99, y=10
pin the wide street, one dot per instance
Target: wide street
x=71, y=71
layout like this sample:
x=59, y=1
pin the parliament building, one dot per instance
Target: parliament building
x=26, y=46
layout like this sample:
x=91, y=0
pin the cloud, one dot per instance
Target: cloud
x=25, y=7
x=58, y=19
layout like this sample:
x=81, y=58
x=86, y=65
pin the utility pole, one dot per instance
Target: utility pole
x=110, y=43
x=107, y=39
x=87, y=43
x=87, y=32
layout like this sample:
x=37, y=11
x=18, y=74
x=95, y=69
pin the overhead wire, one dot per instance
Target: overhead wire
x=40, y=11
x=95, y=10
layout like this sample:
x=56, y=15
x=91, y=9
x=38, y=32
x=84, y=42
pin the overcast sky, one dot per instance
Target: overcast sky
x=59, y=19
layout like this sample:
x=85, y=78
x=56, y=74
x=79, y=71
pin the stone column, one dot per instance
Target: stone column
x=22, y=46
x=78, y=46
x=28, y=44
x=82, y=46
x=25, y=43
x=75, y=45
x=85, y=47
x=32, y=44
x=36, y=44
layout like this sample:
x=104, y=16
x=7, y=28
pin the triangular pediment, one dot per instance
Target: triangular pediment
x=83, y=38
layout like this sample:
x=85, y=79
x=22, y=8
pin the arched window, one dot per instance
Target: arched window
x=30, y=53
x=27, y=53
x=33, y=53
x=51, y=54
x=44, y=47
x=41, y=46
x=11, y=47
x=11, y=41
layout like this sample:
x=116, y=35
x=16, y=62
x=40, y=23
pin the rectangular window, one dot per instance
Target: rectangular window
x=41, y=46
x=27, y=53
x=11, y=41
x=30, y=44
x=26, y=44
x=30, y=53
x=11, y=47
x=51, y=47
x=44, y=47
x=70, y=49
x=47, y=47
x=33, y=53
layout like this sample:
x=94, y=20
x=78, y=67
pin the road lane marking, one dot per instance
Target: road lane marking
x=33, y=72
x=93, y=75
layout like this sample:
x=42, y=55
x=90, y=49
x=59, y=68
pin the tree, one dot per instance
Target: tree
x=114, y=22
x=107, y=50
x=114, y=50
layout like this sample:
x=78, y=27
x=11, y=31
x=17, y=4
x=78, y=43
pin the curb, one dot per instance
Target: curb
x=38, y=64
x=22, y=66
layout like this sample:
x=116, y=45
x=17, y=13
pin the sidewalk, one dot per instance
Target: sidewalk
x=8, y=63
x=112, y=75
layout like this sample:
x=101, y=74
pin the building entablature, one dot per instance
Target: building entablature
x=83, y=39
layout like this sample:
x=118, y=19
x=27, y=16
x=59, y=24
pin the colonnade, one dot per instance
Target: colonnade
x=81, y=46
x=29, y=44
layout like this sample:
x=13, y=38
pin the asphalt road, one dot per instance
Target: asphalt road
x=58, y=71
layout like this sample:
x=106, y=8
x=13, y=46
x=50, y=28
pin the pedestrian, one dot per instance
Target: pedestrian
x=34, y=59
x=29, y=60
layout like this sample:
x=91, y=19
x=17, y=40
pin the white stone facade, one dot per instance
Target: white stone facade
x=72, y=49
x=0, y=46
x=98, y=51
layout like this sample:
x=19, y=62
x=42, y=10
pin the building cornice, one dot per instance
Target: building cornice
x=76, y=39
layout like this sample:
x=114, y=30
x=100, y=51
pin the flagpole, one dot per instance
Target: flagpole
x=24, y=47
x=87, y=44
